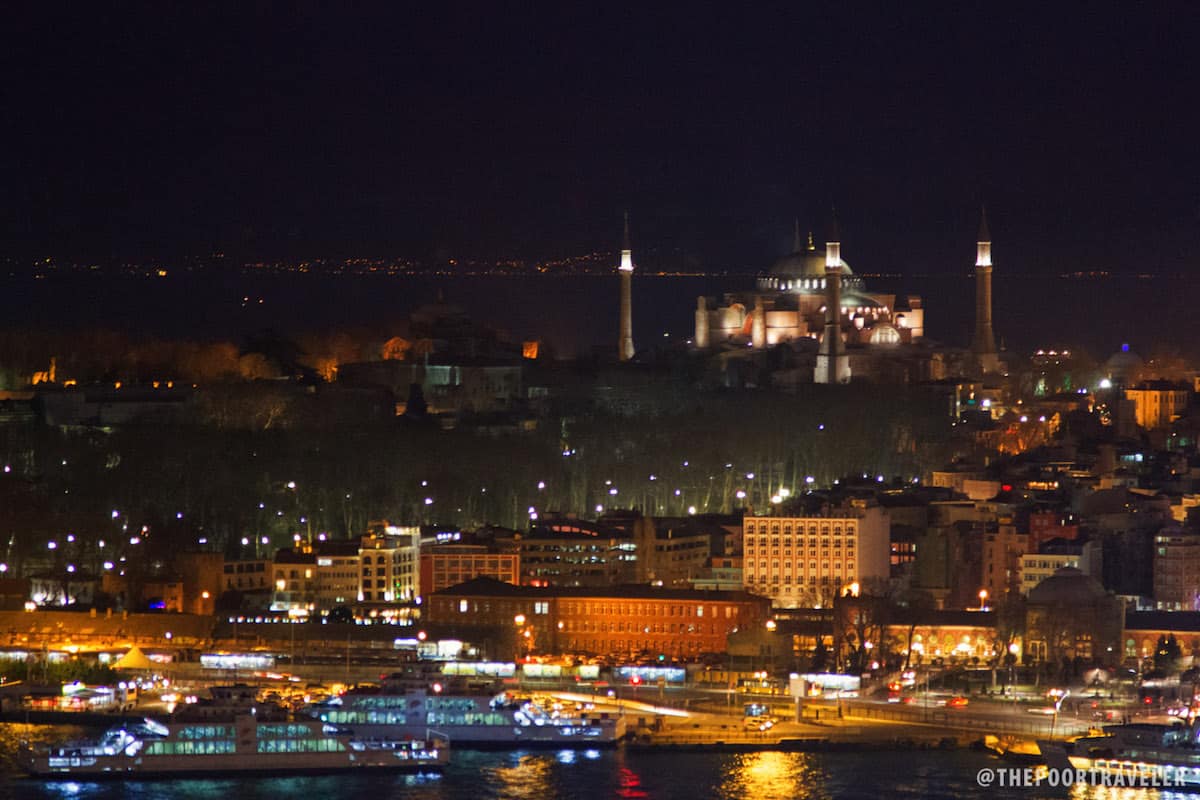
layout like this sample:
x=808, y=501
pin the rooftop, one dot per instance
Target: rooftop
x=490, y=587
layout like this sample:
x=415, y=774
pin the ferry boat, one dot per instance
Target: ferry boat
x=1167, y=754
x=151, y=749
x=475, y=717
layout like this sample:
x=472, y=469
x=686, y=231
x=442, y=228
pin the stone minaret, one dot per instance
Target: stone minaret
x=701, y=337
x=625, y=341
x=833, y=365
x=984, y=342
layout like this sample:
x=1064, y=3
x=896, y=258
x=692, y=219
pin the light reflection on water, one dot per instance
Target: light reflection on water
x=587, y=775
x=773, y=776
x=520, y=776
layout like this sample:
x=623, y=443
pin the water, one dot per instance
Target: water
x=576, y=313
x=592, y=775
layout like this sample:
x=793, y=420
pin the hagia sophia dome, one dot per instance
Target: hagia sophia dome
x=805, y=261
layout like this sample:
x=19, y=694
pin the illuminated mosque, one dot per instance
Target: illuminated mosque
x=813, y=302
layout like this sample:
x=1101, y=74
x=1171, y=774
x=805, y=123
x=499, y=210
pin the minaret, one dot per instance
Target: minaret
x=625, y=342
x=701, y=337
x=833, y=365
x=984, y=342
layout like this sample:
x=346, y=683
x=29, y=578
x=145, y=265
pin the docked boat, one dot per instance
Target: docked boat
x=1167, y=755
x=151, y=749
x=468, y=716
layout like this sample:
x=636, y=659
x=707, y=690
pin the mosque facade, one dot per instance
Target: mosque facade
x=790, y=300
x=812, y=301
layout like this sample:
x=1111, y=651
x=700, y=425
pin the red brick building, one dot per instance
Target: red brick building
x=620, y=620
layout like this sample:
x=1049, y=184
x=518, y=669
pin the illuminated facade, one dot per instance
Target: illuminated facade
x=389, y=562
x=791, y=304
x=621, y=620
x=1158, y=404
x=445, y=565
x=806, y=561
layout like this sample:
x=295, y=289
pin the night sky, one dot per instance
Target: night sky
x=281, y=131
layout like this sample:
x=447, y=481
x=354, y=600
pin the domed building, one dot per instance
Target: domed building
x=1070, y=615
x=791, y=297
x=1123, y=367
x=791, y=303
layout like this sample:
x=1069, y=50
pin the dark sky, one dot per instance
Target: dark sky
x=279, y=130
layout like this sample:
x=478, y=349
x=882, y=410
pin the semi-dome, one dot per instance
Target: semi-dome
x=853, y=299
x=1068, y=586
x=883, y=333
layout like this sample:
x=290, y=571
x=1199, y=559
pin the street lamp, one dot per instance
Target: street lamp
x=983, y=596
x=519, y=624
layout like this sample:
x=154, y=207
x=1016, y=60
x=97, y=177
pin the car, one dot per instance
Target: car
x=957, y=702
x=758, y=723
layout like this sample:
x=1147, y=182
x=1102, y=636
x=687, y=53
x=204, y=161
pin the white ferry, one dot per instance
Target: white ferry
x=151, y=749
x=468, y=717
x=1166, y=754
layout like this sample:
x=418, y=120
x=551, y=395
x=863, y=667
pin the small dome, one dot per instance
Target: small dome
x=1067, y=587
x=884, y=333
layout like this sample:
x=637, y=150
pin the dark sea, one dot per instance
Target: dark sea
x=576, y=313
x=584, y=775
